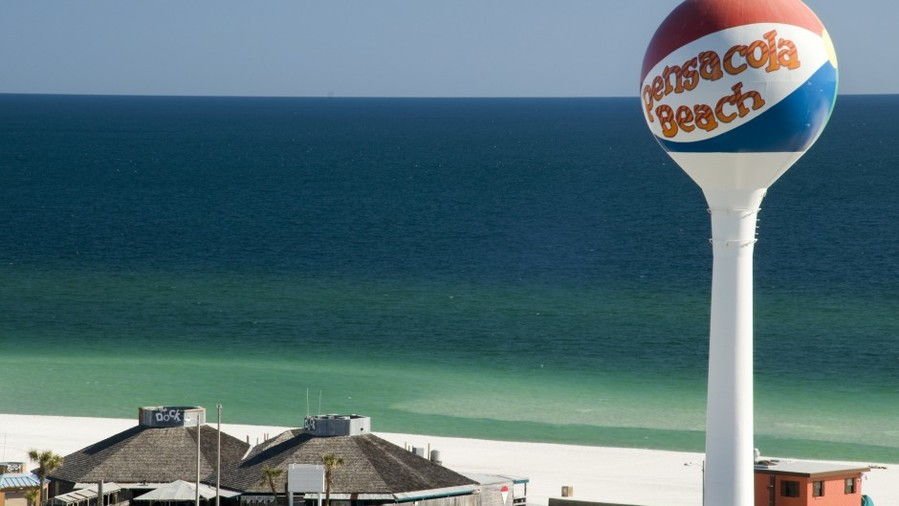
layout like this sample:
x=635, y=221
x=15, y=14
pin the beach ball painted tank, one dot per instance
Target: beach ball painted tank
x=729, y=83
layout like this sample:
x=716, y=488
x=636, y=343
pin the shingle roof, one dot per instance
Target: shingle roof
x=19, y=480
x=371, y=465
x=151, y=454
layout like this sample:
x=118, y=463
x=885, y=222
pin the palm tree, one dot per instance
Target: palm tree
x=47, y=462
x=331, y=463
x=32, y=496
x=270, y=474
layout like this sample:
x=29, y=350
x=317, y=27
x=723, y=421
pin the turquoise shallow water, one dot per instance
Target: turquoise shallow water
x=510, y=269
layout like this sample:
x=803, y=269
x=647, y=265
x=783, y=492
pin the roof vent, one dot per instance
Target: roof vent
x=337, y=425
x=171, y=416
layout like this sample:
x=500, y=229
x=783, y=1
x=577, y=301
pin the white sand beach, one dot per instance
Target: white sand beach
x=623, y=475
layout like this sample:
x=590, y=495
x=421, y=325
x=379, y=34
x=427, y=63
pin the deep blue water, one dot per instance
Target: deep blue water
x=530, y=269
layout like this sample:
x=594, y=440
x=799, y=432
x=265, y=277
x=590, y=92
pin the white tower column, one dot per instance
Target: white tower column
x=729, y=446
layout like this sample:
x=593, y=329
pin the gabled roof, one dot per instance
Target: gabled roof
x=153, y=454
x=19, y=480
x=371, y=465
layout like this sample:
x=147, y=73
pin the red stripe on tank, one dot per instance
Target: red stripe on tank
x=694, y=19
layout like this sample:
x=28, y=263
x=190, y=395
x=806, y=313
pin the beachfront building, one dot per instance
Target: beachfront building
x=156, y=461
x=159, y=450
x=807, y=484
x=15, y=482
x=374, y=471
x=784, y=483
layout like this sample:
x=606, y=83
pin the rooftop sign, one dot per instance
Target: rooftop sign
x=171, y=416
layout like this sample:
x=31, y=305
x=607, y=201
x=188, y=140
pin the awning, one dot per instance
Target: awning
x=143, y=485
x=402, y=496
x=85, y=494
x=180, y=490
x=434, y=493
x=495, y=479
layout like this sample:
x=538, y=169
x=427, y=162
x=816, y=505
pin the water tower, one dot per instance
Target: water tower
x=736, y=91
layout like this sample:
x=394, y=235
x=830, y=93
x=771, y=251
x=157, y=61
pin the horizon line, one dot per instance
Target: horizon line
x=408, y=97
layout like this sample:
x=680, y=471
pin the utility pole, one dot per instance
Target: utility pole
x=197, y=492
x=218, y=454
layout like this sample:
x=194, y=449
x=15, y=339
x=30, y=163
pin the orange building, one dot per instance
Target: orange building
x=807, y=484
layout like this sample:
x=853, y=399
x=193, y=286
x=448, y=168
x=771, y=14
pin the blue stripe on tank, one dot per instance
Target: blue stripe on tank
x=791, y=125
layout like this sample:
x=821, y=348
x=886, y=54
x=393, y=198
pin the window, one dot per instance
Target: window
x=789, y=488
x=850, y=486
x=817, y=488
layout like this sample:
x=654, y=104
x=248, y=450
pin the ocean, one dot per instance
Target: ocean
x=517, y=269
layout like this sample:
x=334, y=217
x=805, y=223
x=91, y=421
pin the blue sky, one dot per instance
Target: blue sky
x=376, y=47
